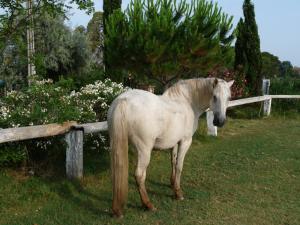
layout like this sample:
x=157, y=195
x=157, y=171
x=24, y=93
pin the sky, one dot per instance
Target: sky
x=277, y=20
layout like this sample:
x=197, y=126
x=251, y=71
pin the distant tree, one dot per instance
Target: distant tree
x=270, y=65
x=94, y=30
x=248, y=55
x=96, y=38
x=16, y=17
x=286, y=69
x=59, y=51
x=80, y=29
x=162, y=41
x=80, y=53
x=13, y=63
x=297, y=71
x=53, y=44
x=14, y=14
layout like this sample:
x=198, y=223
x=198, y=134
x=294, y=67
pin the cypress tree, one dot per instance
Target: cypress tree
x=247, y=48
x=240, y=59
x=108, y=8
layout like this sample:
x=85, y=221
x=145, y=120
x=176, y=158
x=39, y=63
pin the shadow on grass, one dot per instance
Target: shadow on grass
x=87, y=201
x=75, y=192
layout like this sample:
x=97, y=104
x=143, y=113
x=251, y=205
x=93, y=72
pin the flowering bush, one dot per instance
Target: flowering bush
x=93, y=100
x=45, y=102
x=239, y=88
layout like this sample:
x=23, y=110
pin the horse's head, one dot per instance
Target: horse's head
x=219, y=100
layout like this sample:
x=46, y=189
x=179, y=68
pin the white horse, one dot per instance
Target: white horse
x=165, y=121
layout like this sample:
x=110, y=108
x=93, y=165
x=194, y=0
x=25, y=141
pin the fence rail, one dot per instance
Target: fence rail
x=74, y=132
x=32, y=132
x=248, y=100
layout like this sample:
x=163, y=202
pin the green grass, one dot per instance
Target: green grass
x=249, y=174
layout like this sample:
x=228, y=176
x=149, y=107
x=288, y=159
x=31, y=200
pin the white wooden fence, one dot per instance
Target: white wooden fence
x=74, y=133
x=267, y=99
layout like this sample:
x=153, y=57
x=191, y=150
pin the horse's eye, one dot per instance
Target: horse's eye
x=215, y=98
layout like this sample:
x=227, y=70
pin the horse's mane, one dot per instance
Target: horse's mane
x=190, y=88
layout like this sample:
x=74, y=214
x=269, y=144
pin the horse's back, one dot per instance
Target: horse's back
x=153, y=119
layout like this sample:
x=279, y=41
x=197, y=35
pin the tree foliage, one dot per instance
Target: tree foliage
x=270, y=65
x=96, y=38
x=59, y=51
x=13, y=16
x=286, y=69
x=248, y=55
x=94, y=30
x=14, y=20
x=109, y=6
x=240, y=55
x=163, y=40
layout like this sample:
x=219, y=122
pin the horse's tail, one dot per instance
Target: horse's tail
x=119, y=156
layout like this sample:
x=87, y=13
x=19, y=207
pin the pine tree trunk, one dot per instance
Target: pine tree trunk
x=30, y=43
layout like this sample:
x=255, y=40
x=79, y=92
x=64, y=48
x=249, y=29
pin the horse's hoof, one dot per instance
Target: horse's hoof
x=179, y=195
x=151, y=207
x=180, y=198
x=118, y=214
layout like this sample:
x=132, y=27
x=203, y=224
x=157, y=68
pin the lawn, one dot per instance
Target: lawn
x=249, y=174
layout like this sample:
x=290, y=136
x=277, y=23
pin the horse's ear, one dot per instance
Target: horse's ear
x=215, y=82
x=230, y=83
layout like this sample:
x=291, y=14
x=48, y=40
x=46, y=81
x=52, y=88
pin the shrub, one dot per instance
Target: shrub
x=239, y=88
x=285, y=86
x=45, y=102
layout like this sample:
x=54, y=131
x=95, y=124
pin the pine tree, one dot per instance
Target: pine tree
x=247, y=48
x=164, y=40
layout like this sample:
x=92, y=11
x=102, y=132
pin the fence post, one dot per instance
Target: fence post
x=211, y=129
x=265, y=90
x=74, y=154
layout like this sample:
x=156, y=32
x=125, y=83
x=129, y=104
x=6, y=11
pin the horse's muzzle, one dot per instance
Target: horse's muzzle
x=219, y=121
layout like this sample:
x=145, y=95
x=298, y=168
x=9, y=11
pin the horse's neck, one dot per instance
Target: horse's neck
x=196, y=92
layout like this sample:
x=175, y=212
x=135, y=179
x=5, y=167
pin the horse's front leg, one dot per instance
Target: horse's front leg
x=140, y=176
x=173, y=164
x=183, y=148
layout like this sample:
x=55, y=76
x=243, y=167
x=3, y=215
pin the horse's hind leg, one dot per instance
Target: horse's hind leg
x=140, y=176
x=173, y=163
x=183, y=148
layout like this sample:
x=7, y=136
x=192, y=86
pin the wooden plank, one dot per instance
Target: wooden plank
x=211, y=129
x=74, y=154
x=285, y=96
x=25, y=133
x=267, y=103
x=267, y=107
x=248, y=100
x=260, y=99
x=92, y=127
x=266, y=86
